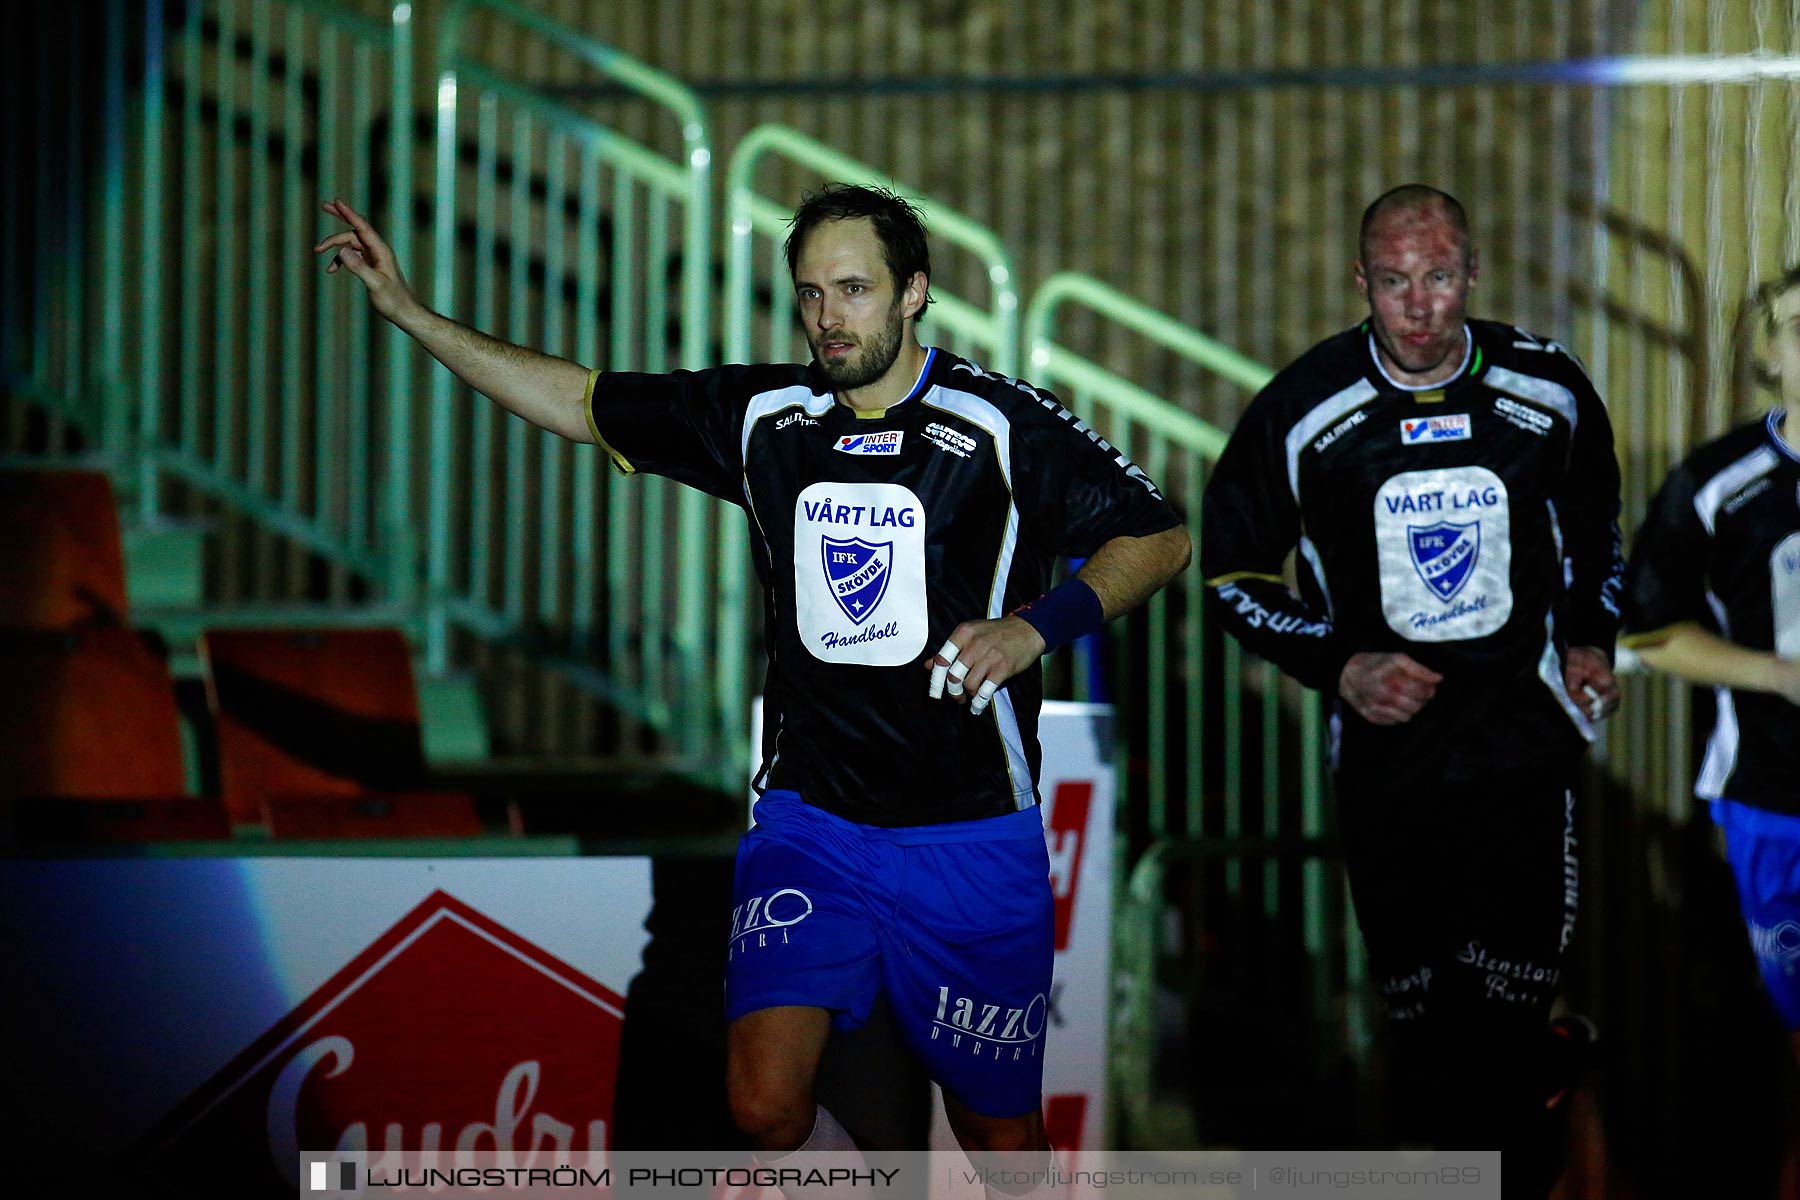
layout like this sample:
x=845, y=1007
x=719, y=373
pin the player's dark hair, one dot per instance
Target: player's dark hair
x=1760, y=302
x=897, y=226
x=1413, y=195
x=1772, y=290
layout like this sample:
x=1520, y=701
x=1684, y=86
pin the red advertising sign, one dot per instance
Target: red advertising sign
x=449, y=1032
x=1067, y=835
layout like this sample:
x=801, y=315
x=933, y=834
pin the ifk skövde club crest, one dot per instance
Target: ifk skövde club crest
x=858, y=572
x=1444, y=554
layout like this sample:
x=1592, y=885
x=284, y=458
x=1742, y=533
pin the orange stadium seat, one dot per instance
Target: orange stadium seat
x=318, y=735
x=61, y=561
x=87, y=715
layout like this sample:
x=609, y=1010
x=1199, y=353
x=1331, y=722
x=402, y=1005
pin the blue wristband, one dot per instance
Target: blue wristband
x=1067, y=611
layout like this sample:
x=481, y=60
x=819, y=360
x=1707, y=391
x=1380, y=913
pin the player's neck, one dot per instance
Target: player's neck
x=895, y=384
x=1788, y=429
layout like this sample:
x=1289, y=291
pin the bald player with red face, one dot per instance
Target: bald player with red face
x=1448, y=489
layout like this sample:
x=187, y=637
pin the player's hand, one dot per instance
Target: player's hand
x=982, y=655
x=365, y=255
x=1590, y=681
x=1387, y=689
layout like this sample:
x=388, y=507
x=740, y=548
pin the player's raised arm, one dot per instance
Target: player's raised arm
x=549, y=392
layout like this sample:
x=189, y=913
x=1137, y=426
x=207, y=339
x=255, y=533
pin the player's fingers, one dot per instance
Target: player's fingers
x=336, y=239
x=959, y=671
x=349, y=258
x=941, y=668
x=361, y=224
x=983, y=694
x=1403, y=689
x=1416, y=670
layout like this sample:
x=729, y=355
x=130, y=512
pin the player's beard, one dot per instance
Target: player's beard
x=871, y=359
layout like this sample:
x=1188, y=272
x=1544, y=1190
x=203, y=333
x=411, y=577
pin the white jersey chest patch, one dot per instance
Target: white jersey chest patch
x=859, y=573
x=1784, y=595
x=1444, y=553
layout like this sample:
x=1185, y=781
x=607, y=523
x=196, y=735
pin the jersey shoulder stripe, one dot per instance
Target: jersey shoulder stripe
x=1022, y=401
x=1716, y=489
x=1322, y=416
x=981, y=413
x=1545, y=393
x=768, y=403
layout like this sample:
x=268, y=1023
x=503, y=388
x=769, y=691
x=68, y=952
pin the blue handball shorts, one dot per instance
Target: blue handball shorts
x=954, y=921
x=1764, y=850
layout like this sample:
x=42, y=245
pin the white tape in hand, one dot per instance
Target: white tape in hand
x=937, y=673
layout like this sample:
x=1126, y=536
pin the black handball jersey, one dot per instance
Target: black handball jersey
x=1721, y=547
x=1472, y=525
x=874, y=537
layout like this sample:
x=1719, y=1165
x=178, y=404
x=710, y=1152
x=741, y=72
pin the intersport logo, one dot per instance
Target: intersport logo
x=448, y=1034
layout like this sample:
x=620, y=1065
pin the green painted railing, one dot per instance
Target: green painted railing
x=1207, y=781
x=571, y=254
x=255, y=383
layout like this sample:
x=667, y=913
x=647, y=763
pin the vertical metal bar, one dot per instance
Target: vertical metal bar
x=402, y=546
x=782, y=319
x=292, y=354
x=1679, y=379
x=1562, y=265
x=694, y=507
x=656, y=283
x=550, y=455
x=13, y=173
x=257, y=315
x=656, y=551
x=587, y=351
x=74, y=232
x=731, y=679
x=482, y=415
x=44, y=265
x=188, y=438
x=443, y=291
x=1193, y=648
x=1271, y=785
x=150, y=314
x=1312, y=825
x=1157, y=675
x=1790, y=200
x=327, y=377
x=518, y=322
x=224, y=262
x=116, y=400
x=1233, y=711
x=361, y=102
x=621, y=496
x=1718, y=416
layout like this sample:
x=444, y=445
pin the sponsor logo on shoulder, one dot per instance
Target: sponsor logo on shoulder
x=1747, y=495
x=1339, y=430
x=795, y=418
x=1415, y=431
x=1525, y=417
x=887, y=442
x=946, y=438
